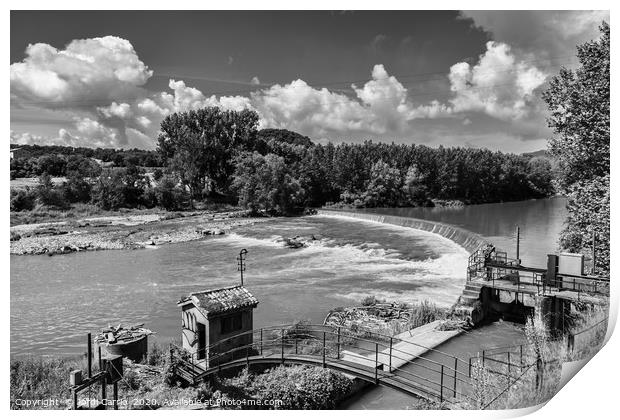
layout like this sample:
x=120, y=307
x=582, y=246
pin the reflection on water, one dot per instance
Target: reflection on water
x=540, y=222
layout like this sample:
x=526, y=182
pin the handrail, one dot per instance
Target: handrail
x=453, y=375
x=328, y=329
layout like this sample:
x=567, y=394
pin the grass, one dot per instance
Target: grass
x=38, y=379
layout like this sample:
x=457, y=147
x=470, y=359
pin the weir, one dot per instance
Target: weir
x=466, y=239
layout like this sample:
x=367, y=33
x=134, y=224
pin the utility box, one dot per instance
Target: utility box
x=75, y=378
x=570, y=264
x=113, y=366
x=552, y=270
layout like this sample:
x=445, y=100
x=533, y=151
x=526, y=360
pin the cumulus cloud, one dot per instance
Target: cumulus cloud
x=87, y=71
x=101, y=80
x=499, y=85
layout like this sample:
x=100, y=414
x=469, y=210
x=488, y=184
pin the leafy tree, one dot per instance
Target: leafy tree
x=414, y=189
x=169, y=195
x=264, y=183
x=200, y=144
x=579, y=105
x=23, y=199
x=109, y=190
x=384, y=188
x=76, y=189
x=53, y=165
x=540, y=176
x=48, y=194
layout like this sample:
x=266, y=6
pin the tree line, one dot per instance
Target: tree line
x=214, y=154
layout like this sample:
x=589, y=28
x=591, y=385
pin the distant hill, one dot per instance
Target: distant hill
x=284, y=136
x=538, y=153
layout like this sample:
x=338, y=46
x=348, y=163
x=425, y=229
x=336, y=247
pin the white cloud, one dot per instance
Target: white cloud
x=100, y=81
x=499, y=85
x=255, y=80
x=87, y=71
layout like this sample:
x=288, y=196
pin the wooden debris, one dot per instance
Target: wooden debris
x=111, y=334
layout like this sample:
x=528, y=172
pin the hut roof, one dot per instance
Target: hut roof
x=218, y=301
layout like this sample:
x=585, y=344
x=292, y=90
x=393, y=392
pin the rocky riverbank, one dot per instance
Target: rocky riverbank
x=122, y=232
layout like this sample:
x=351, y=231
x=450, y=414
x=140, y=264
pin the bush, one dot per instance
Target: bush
x=77, y=189
x=23, y=199
x=168, y=195
x=302, y=387
x=109, y=190
x=49, y=195
x=41, y=379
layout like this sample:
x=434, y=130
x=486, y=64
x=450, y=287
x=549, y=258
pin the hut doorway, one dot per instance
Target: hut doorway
x=202, y=340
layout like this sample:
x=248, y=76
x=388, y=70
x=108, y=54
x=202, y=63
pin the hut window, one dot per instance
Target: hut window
x=231, y=323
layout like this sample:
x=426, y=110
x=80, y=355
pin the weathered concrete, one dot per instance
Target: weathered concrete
x=408, y=346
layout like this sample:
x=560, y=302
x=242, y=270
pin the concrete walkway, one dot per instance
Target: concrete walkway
x=414, y=344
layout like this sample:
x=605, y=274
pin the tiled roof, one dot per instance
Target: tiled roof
x=218, y=301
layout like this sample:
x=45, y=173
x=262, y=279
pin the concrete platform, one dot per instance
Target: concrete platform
x=414, y=344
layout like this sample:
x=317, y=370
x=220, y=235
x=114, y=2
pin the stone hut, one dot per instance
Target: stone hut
x=210, y=316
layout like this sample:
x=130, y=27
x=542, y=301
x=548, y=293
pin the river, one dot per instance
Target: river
x=56, y=300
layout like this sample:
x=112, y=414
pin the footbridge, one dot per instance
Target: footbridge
x=397, y=363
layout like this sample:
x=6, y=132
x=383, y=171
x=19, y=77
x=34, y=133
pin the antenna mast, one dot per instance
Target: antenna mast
x=241, y=263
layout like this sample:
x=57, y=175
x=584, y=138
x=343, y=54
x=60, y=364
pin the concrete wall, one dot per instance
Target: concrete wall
x=215, y=334
x=468, y=240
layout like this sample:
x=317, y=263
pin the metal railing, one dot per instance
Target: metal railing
x=383, y=360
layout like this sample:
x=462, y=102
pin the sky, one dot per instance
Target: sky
x=451, y=78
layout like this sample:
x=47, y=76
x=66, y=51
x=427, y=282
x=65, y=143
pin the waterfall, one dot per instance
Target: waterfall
x=468, y=240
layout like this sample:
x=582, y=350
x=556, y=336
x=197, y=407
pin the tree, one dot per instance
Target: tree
x=48, y=194
x=384, y=188
x=200, y=144
x=109, y=190
x=168, y=194
x=579, y=105
x=414, y=189
x=264, y=183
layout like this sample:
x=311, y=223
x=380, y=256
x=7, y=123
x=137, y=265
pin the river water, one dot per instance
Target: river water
x=56, y=300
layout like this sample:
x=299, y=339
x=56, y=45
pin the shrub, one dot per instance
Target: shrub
x=49, y=195
x=302, y=387
x=23, y=199
x=168, y=195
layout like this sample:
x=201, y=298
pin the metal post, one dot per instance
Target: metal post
x=518, y=239
x=593, y=250
x=456, y=361
x=99, y=356
x=441, y=386
x=338, y=345
x=469, y=368
x=324, y=349
x=261, y=341
x=75, y=399
x=391, y=342
x=296, y=350
x=508, y=361
x=376, y=363
x=521, y=356
x=282, y=341
x=483, y=357
x=90, y=356
x=115, y=391
x=241, y=265
x=247, y=357
x=103, y=391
